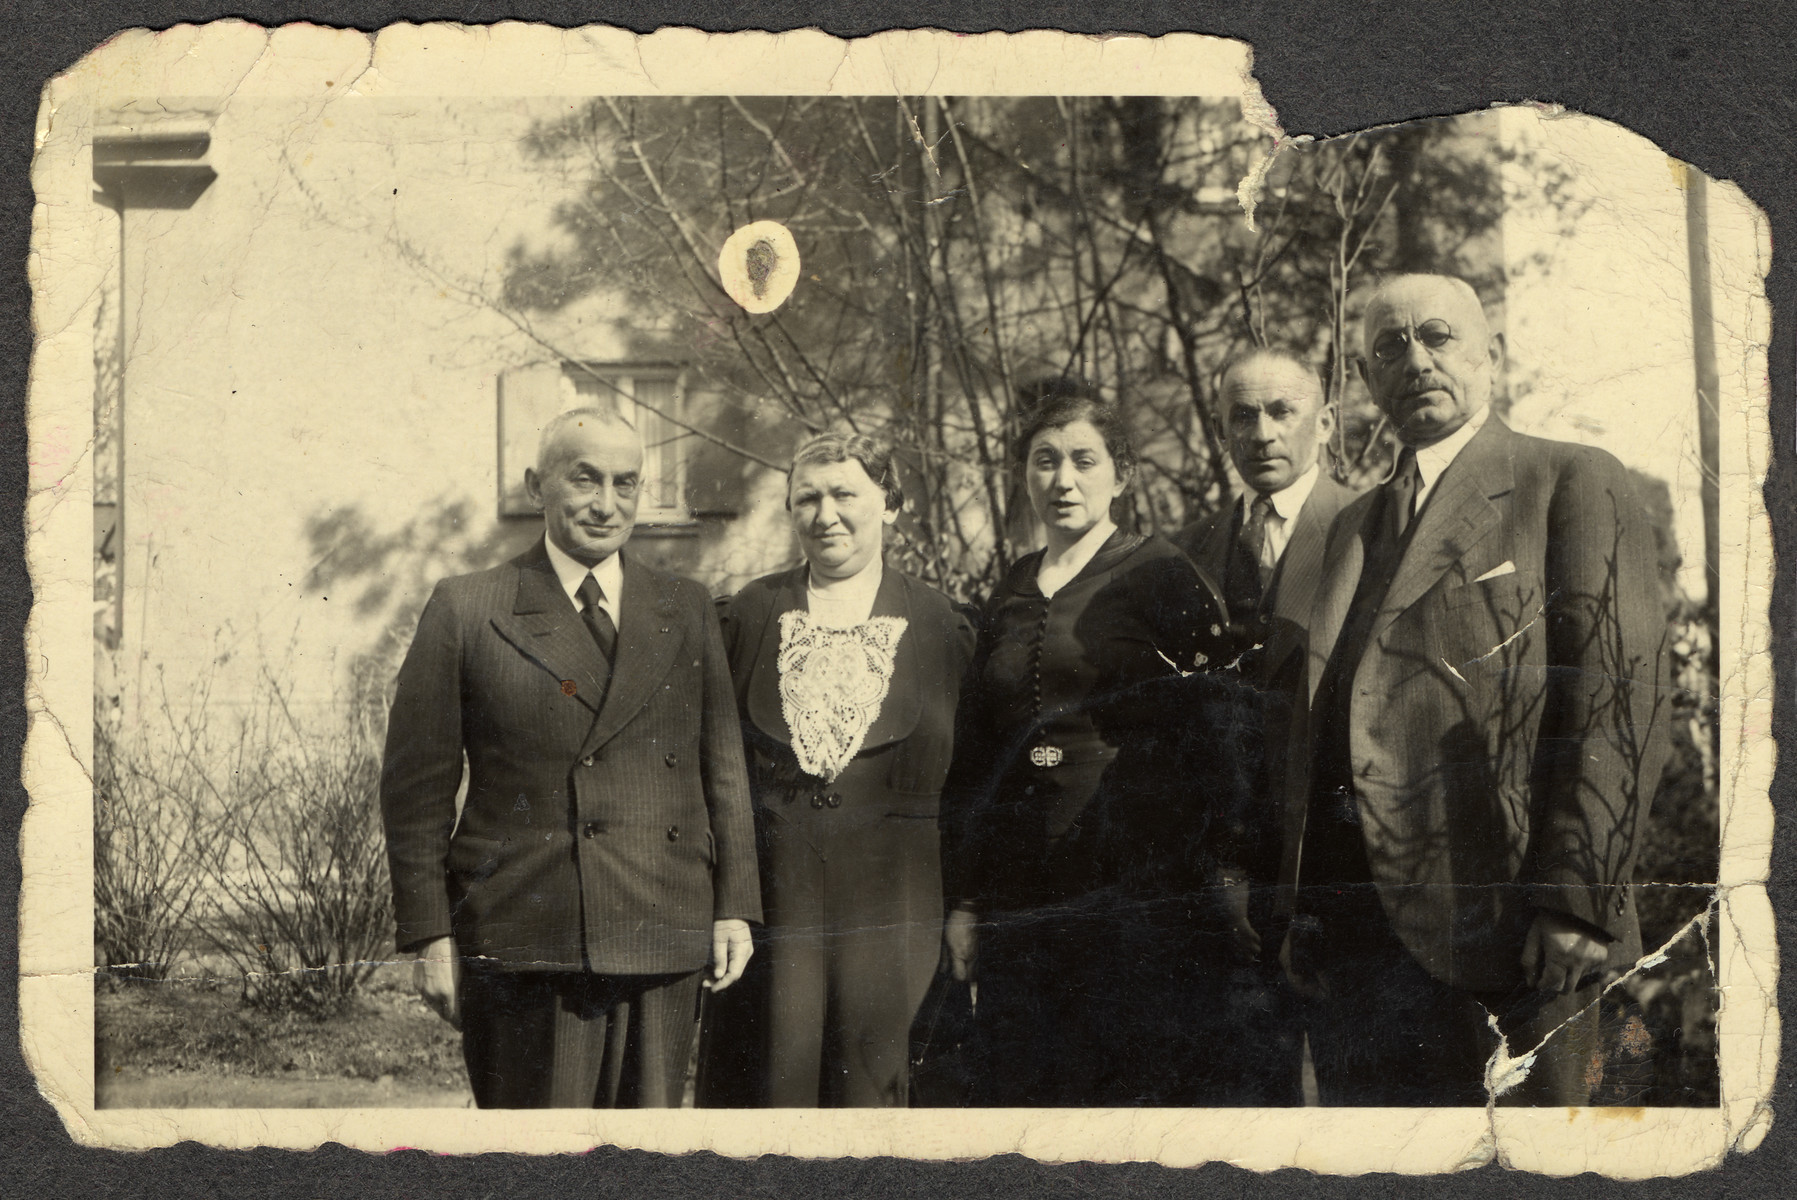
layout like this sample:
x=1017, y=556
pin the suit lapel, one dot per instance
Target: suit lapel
x=1342, y=561
x=764, y=685
x=1218, y=539
x=1456, y=516
x=1297, y=568
x=903, y=704
x=1294, y=586
x=650, y=633
x=546, y=629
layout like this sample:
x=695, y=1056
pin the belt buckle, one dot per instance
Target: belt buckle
x=1046, y=756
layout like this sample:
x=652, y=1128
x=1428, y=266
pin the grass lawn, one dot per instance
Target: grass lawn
x=187, y=1043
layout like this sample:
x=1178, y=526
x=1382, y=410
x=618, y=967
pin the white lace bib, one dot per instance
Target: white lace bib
x=832, y=683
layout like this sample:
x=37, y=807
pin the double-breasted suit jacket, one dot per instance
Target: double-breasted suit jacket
x=851, y=868
x=606, y=821
x=1505, y=731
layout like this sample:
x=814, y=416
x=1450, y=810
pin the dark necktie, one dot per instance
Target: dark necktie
x=598, y=621
x=1254, y=538
x=1333, y=846
x=1406, y=481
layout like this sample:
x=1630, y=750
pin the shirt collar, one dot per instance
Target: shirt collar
x=1431, y=461
x=1289, y=500
x=570, y=573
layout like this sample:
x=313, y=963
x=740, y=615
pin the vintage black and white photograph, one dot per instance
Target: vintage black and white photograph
x=1057, y=597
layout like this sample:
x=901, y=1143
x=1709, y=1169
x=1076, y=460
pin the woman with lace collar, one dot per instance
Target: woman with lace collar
x=847, y=676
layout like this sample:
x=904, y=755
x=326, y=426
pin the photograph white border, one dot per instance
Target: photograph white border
x=56, y=919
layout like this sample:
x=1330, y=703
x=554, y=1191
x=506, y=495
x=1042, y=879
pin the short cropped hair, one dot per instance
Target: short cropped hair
x=1061, y=402
x=1261, y=354
x=875, y=458
x=561, y=422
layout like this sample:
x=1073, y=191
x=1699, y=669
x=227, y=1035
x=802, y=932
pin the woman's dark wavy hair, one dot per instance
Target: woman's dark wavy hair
x=875, y=458
x=1055, y=403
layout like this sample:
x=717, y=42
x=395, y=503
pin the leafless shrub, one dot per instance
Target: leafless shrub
x=248, y=828
x=153, y=836
x=300, y=897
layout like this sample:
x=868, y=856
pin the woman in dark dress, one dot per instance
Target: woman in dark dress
x=1097, y=736
x=847, y=676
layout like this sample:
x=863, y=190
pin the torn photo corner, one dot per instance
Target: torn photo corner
x=306, y=302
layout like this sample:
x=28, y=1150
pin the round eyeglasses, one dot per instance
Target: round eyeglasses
x=1393, y=344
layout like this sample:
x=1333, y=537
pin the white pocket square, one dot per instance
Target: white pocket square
x=1504, y=568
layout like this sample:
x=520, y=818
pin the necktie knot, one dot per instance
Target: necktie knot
x=589, y=593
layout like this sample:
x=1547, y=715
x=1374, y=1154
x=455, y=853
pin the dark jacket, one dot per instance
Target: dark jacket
x=1276, y=664
x=1120, y=675
x=607, y=817
x=905, y=755
x=1210, y=541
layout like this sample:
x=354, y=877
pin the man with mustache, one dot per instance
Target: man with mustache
x=604, y=854
x=1484, y=742
x=1267, y=549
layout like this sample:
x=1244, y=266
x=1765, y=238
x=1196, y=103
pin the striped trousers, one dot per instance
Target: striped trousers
x=571, y=1039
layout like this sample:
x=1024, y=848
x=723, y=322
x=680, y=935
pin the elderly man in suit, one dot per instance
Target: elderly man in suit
x=1486, y=665
x=604, y=853
x=1267, y=549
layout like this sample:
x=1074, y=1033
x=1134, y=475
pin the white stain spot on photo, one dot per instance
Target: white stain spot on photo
x=759, y=265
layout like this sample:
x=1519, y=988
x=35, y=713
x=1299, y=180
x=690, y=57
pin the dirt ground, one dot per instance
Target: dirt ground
x=193, y=1044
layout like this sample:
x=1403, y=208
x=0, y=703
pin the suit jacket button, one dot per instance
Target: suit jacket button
x=834, y=800
x=587, y=761
x=673, y=833
x=817, y=801
x=673, y=759
x=591, y=830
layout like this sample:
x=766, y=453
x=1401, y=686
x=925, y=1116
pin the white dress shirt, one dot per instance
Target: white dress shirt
x=1287, y=503
x=609, y=573
x=1431, y=461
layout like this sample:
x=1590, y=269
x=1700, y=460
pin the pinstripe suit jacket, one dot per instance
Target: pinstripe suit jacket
x=607, y=819
x=1506, y=727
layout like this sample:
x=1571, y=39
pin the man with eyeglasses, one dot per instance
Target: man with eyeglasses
x=1484, y=741
x=604, y=854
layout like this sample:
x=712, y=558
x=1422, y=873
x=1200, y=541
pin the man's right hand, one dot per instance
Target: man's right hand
x=961, y=941
x=435, y=973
